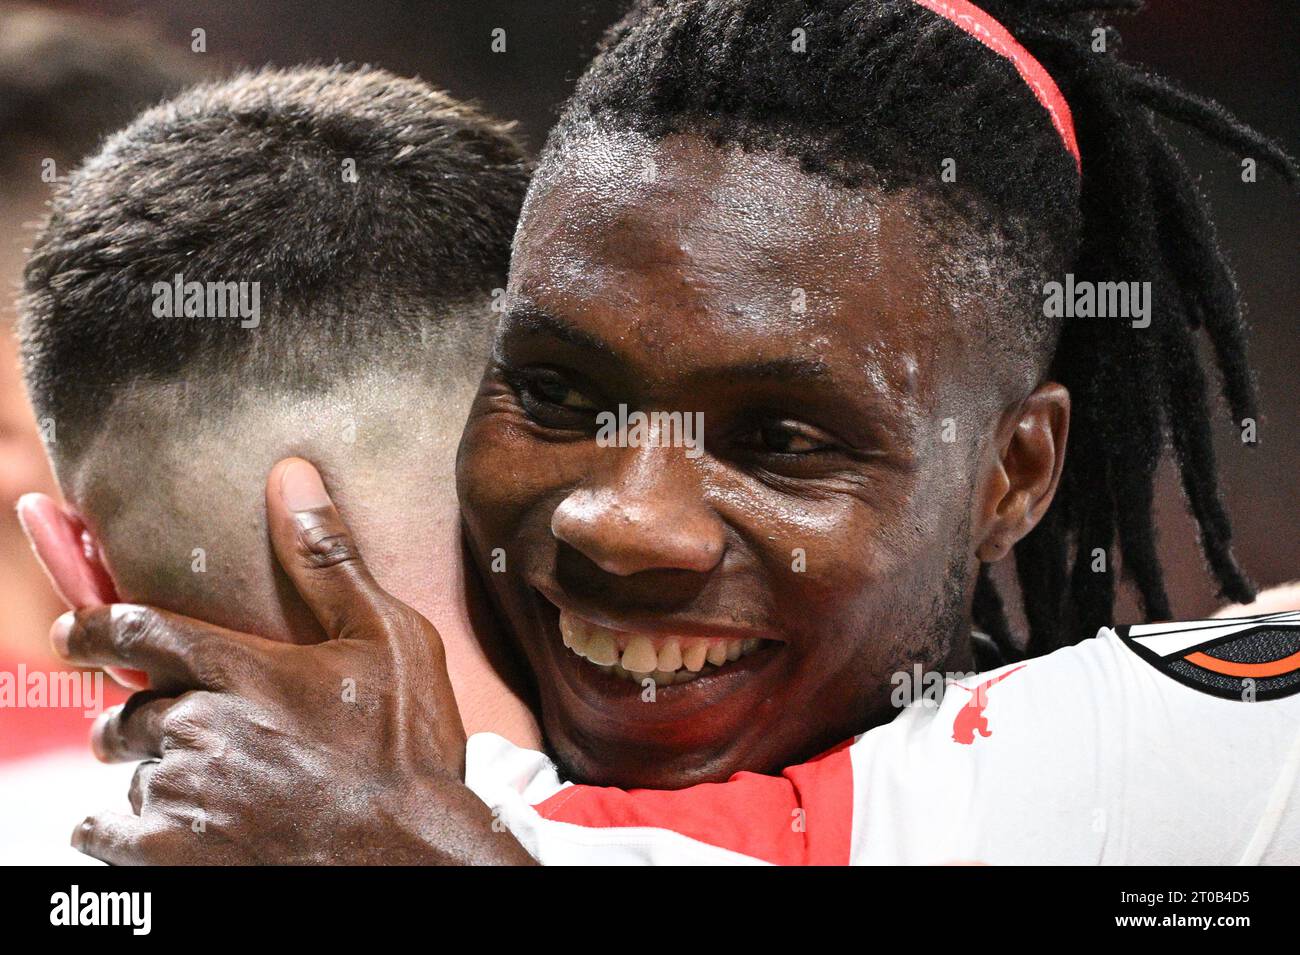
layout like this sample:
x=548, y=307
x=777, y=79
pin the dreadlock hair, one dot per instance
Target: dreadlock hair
x=881, y=94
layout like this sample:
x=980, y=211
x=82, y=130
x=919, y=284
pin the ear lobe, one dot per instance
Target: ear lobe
x=1028, y=472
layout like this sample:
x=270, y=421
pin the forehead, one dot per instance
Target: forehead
x=685, y=246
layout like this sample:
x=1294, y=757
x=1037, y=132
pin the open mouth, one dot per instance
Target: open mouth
x=666, y=659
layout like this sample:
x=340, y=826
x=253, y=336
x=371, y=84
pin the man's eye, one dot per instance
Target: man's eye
x=556, y=391
x=789, y=437
x=551, y=399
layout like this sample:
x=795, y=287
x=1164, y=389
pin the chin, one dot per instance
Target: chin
x=629, y=765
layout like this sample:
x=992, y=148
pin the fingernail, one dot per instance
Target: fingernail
x=80, y=834
x=301, y=487
x=97, y=732
x=59, y=633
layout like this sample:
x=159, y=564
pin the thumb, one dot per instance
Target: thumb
x=317, y=551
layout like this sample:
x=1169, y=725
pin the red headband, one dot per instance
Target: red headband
x=970, y=18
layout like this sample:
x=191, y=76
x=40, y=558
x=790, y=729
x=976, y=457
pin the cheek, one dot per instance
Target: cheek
x=831, y=548
x=850, y=575
x=489, y=482
x=835, y=579
x=508, y=480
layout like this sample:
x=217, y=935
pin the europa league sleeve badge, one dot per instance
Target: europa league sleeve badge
x=1237, y=658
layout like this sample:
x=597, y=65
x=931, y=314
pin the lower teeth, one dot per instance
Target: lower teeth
x=660, y=678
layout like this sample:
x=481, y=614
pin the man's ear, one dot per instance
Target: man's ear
x=70, y=554
x=1020, y=487
x=67, y=550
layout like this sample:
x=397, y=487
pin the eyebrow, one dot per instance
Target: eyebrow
x=529, y=319
x=783, y=369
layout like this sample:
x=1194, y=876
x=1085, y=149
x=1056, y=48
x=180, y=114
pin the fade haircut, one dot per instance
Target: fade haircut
x=369, y=208
x=883, y=93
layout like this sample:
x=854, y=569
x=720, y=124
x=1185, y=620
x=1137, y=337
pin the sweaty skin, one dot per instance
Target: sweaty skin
x=829, y=517
x=812, y=327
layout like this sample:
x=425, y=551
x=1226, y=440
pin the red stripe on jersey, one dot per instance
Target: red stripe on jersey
x=802, y=817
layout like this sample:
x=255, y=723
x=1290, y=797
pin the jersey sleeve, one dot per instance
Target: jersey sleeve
x=1094, y=754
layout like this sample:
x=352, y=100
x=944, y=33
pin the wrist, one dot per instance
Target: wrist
x=444, y=823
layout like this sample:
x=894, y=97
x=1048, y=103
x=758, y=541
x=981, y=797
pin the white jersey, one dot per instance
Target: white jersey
x=45, y=795
x=1163, y=744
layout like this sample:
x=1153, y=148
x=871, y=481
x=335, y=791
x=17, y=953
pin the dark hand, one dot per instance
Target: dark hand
x=349, y=751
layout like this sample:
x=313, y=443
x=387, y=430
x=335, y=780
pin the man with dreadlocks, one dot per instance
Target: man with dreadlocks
x=1110, y=751
x=828, y=227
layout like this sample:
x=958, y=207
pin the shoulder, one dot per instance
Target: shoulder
x=1173, y=681
x=1250, y=659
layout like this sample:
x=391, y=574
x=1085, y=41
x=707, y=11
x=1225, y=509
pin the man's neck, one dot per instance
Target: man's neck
x=489, y=683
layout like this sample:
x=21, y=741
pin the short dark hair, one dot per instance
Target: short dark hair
x=366, y=205
x=882, y=93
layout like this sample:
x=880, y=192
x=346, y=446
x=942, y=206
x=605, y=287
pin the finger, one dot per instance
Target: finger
x=177, y=652
x=140, y=783
x=319, y=554
x=57, y=541
x=134, y=730
x=112, y=837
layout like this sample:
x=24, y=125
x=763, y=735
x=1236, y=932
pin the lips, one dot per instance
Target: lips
x=666, y=659
x=661, y=723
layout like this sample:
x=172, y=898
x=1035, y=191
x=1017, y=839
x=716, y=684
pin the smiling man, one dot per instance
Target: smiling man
x=724, y=226
x=815, y=549
x=721, y=227
x=718, y=228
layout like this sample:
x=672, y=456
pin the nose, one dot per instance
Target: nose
x=648, y=512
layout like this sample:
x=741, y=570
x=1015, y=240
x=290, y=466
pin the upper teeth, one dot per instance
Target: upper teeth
x=665, y=659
